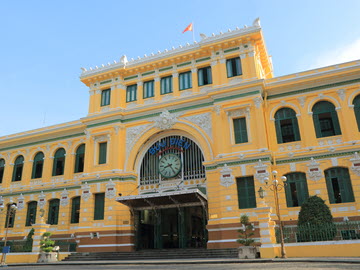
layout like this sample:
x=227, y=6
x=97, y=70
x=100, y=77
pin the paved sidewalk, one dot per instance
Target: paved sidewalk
x=352, y=260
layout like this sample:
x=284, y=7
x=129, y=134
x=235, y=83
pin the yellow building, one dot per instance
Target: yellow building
x=177, y=144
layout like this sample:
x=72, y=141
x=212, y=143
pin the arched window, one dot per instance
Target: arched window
x=38, y=165
x=287, y=129
x=2, y=168
x=356, y=103
x=53, y=215
x=325, y=118
x=10, y=215
x=296, y=189
x=75, y=210
x=31, y=213
x=18, y=168
x=79, y=159
x=59, y=162
x=339, y=185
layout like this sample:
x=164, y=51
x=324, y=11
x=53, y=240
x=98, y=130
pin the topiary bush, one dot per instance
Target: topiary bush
x=247, y=232
x=315, y=221
x=46, y=244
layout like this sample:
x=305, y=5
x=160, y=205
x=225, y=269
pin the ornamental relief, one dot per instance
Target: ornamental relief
x=314, y=172
x=355, y=164
x=42, y=200
x=203, y=121
x=239, y=112
x=166, y=120
x=64, y=198
x=261, y=171
x=110, y=190
x=226, y=178
x=132, y=134
x=21, y=202
x=85, y=192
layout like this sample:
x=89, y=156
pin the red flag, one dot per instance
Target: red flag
x=188, y=28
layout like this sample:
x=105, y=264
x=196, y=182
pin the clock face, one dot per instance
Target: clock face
x=170, y=165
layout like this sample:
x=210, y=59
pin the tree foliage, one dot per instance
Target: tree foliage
x=46, y=244
x=315, y=221
x=246, y=232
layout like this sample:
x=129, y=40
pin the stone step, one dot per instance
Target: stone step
x=155, y=254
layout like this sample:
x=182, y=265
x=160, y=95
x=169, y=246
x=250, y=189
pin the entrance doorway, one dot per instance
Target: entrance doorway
x=183, y=227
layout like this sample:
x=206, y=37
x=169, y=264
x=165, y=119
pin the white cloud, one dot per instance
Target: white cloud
x=349, y=52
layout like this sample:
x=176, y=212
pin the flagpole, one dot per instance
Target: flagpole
x=193, y=31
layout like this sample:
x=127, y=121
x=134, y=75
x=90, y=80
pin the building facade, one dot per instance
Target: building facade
x=177, y=144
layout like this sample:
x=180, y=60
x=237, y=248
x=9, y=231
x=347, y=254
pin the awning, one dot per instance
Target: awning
x=179, y=198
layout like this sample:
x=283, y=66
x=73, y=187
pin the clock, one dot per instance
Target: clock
x=169, y=165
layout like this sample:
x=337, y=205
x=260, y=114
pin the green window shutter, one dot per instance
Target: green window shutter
x=148, y=90
x=240, y=131
x=80, y=159
x=166, y=85
x=278, y=131
x=209, y=75
x=238, y=66
x=2, y=169
x=18, y=168
x=38, y=164
x=337, y=130
x=53, y=215
x=185, y=80
x=298, y=181
x=59, y=162
x=289, y=201
x=246, y=192
x=325, y=118
x=317, y=125
x=105, y=97
x=131, y=91
x=31, y=213
x=346, y=190
x=75, y=210
x=329, y=186
x=356, y=104
x=296, y=129
x=339, y=185
x=99, y=206
x=229, y=68
x=102, y=152
x=201, y=77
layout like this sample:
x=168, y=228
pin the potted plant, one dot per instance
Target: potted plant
x=47, y=247
x=246, y=251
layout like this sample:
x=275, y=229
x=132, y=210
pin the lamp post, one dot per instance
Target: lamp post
x=9, y=213
x=275, y=186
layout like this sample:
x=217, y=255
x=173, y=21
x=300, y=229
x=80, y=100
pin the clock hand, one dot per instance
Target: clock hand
x=172, y=169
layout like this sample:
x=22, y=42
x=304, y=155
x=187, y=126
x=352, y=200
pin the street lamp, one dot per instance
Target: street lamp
x=9, y=213
x=275, y=186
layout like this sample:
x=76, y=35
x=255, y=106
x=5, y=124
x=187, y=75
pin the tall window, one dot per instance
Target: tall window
x=102, y=152
x=18, y=168
x=204, y=76
x=325, y=119
x=286, y=125
x=99, y=206
x=246, y=192
x=233, y=67
x=356, y=103
x=105, y=97
x=131, y=93
x=59, y=162
x=148, y=89
x=339, y=186
x=75, y=210
x=166, y=85
x=80, y=158
x=2, y=169
x=185, y=80
x=38, y=165
x=31, y=213
x=296, y=189
x=53, y=215
x=10, y=217
x=240, y=131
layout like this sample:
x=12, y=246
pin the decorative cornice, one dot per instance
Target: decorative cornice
x=170, y=53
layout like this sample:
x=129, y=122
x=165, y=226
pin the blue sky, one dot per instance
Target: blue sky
x=44, y=44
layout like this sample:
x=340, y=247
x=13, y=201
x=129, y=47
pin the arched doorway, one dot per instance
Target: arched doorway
x=170, y=210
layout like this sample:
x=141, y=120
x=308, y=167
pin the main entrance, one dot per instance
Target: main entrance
x=183, y=227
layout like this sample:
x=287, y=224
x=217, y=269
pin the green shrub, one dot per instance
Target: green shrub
x=46, y=244
x=315, y=222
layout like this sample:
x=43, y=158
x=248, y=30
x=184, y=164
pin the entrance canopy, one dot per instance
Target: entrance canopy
x=179, y=198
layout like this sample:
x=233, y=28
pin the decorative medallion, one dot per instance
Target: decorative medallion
x=226, y=178
x=356, y=164
x=261, y=171
x=132, y=135
x=110, y=190
x=166, y=120
x=85, y=192
x=21, y=202
x=64, y=198
x=42, y=200
x=314, y=172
